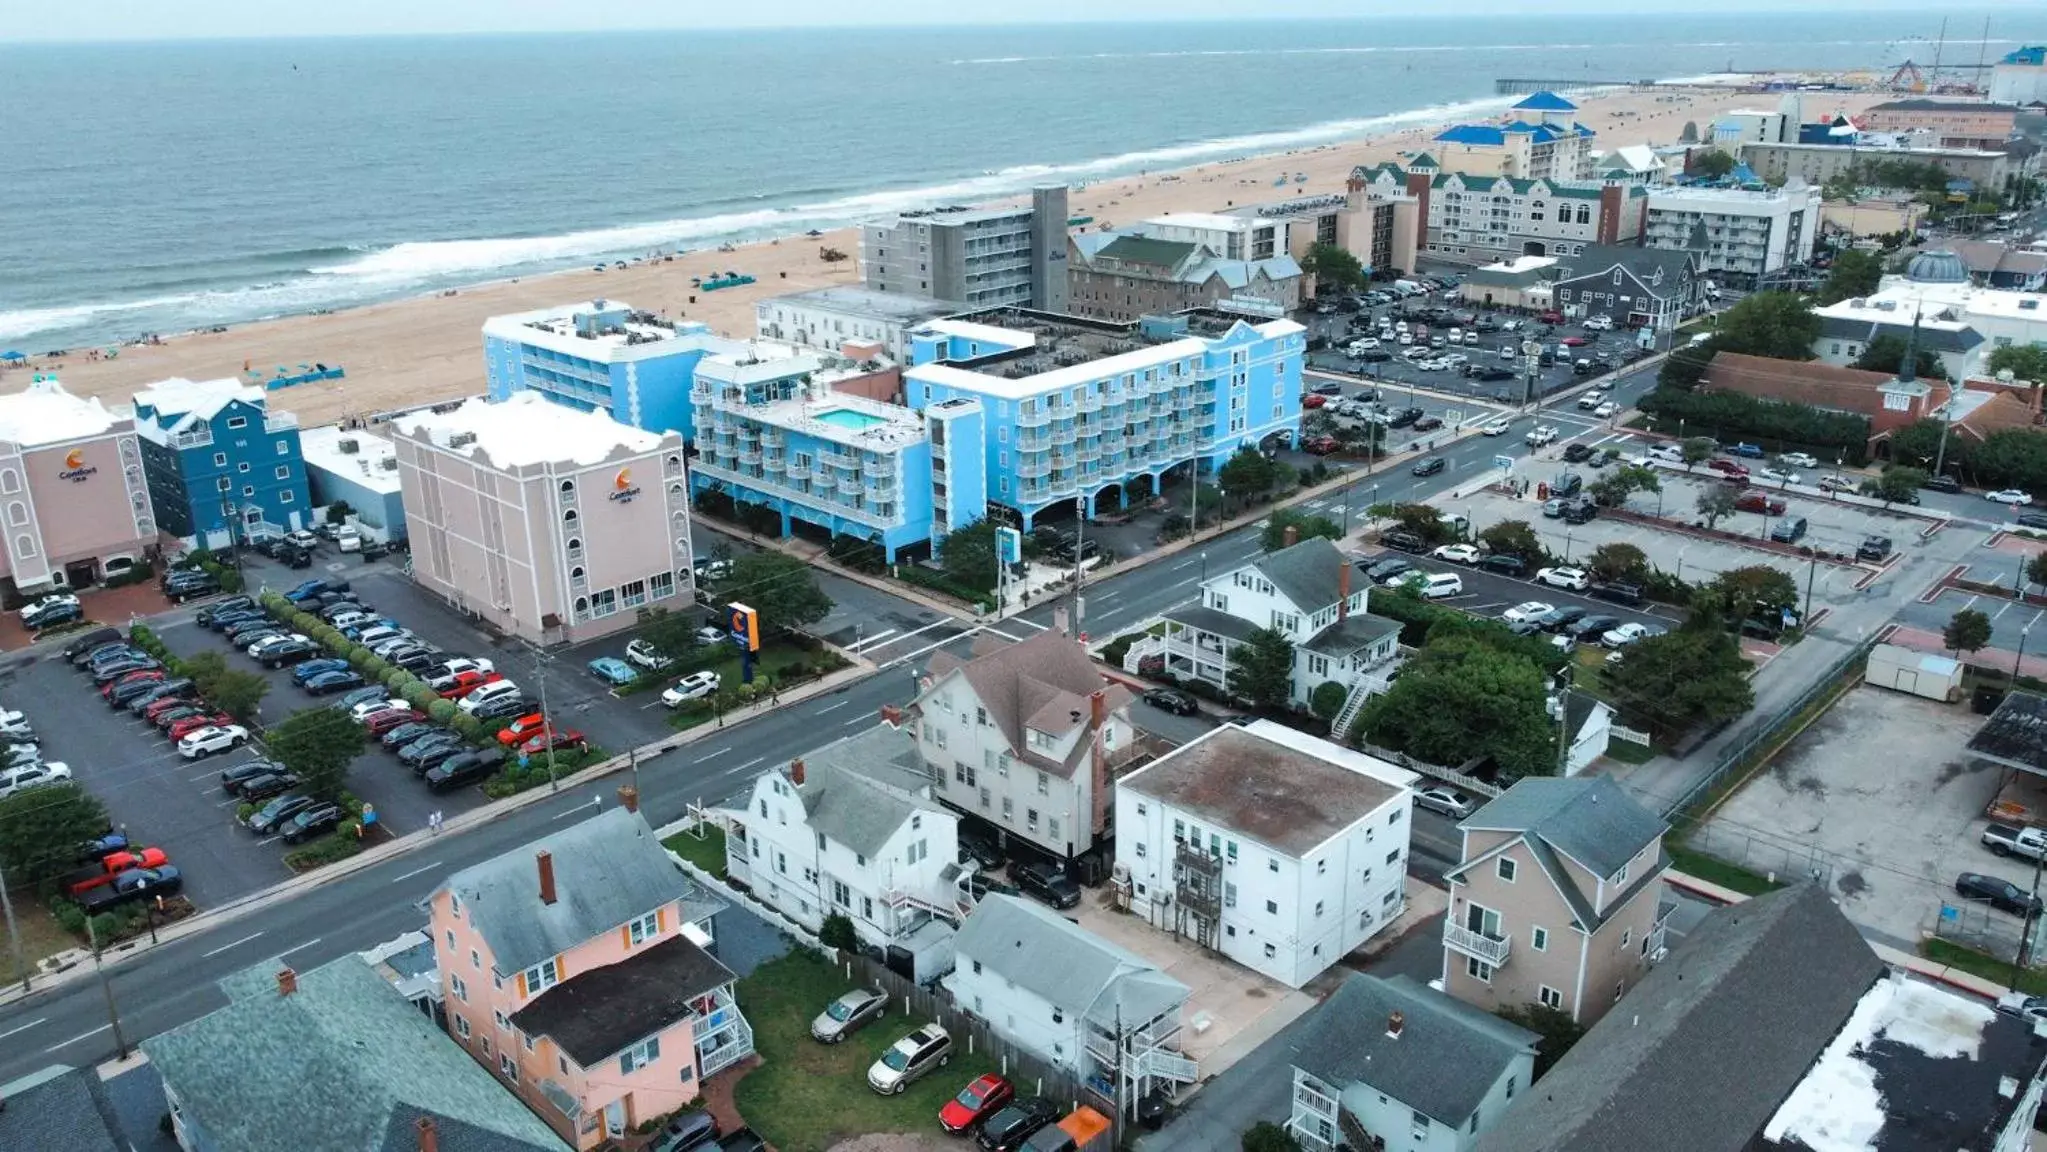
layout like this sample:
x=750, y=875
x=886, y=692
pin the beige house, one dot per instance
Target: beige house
x=550, y=523
x=1557, y=899
x=73, y=496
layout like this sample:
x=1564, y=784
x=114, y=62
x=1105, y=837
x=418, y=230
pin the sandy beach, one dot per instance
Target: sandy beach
x=416, y=351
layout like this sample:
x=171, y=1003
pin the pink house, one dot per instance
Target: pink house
x=575, y=969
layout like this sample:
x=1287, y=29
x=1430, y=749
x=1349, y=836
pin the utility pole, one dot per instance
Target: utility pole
x=13, y=933
x=540, y=673
x=107, y=986
x=1079, y=559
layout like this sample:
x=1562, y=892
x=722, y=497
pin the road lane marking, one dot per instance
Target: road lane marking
x=272, y=840
x=24, y=1027
x=1187, y=581
x=749, y=764
x=77, y=1038
x=299, y=947
x=415, y=872
x=1186, y=562
x=857, y=720
x=711, y=755
x=830, y=707
x=249, y=937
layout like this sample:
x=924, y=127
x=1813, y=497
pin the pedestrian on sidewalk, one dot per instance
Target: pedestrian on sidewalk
x=433, y=821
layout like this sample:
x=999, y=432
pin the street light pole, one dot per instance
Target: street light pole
x=13, y=934
x=540, y=671
x=2020, y=659
x=106, y=986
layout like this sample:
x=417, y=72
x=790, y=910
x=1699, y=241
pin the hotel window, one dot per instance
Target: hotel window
x=661, y=585
x=225, y=484
x=238, y=422
x=541, y=977
x=507, y=1067
x=242, y=467
x=460, y=989
x=462, y=1027
x=284, y=471
x=634, y=593
x=645, y=928
x=569, y=517
x=220, y=459
x=17, y=513
x=248, y=490
x=604, y=603
x=284, y=497
x=10, y=481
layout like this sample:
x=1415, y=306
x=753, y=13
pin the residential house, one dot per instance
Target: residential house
x=331, y=1060
x=1280, y=850
x=1306, y=591
x=1588, y=721
x=1069, y=997
x=1634, y=287
x=1394, y=1064
x=60, y=1109
x=575, y=968
x=1023, y=739
x=1179, y=261
x=1635, y=163
x=1556, y=899
x=1999, y=264
x=221, y=466
x=1847, y=332
x=851, y=829
x=1775, y=1028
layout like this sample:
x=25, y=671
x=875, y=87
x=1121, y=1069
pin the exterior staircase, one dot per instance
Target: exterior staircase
x=1352, y=705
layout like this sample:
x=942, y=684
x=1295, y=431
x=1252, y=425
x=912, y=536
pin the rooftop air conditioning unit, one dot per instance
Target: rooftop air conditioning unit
x=388, y=463
x=461, y=439
x=349, y=446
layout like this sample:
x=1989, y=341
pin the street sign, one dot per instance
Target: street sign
x=744, y=625
x=1008, y=545
x=1504, y=463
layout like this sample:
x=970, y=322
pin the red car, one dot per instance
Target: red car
x=540, y=742
x=1574, y=341
x=1313, y=401
x=383, y=722
x=93, y=875
x=159, y=707
x=1728, y=469
x=1754, y=501
x=190, y=724
x=1320, y=445
x=463, y=683
x=519, y=730
x=976, y=1102
x=1551, y=317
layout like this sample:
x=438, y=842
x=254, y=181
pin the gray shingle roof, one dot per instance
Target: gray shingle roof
x=1448, y=1056
x=1144, y=250
x=59, y=1110
x=328, y=1068
x=1199, y=616
x=603, y=1011
x=1353, y=633
x=608, y=870
x=1064, y=964
x=859, y=790
x=1931, y=339
x=1310, y=573
x=1589, y=819
x=1599, y=260
x=1699, y=1056
x=1047, y=676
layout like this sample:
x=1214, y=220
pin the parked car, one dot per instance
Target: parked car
x=1526, y=610
x=1172, y=700
x=2006, y=840
x=280, y=808
x=132, y=885
x=262, y=787
x=206, y=616
x=1457, y=553
x=400, y=735
x=1628, y=633
x=260, y=649
x=1589, y=628
x=742, y=1140
x=1046, y=883
x=34, y=774
x=1728, y=469
x=1941, y=483
x=293, y=651
x=464, y=768
x=691, y=1130
x=1576, y=453
x=375, y=726
x=985, y=1096
x=461, y=684
x=235, y=775
x=1873, y=548
x=184, y=726
x=1403, y=540
x=695, y=686
x=555, y=740
x=1434, y=585
x=207, y=741
x=327, y=683
x=1446, y=800
x=908, y=1059
x=312, y=821
x=1007, y=1130
x=1574, y=579
x=1386, y=570
x=642, y=654
x=1505, y=563
x=1753, y=500
x=613, y=671
x=1999, y=893
x=103, y=647
x=1788, y=530
x=846, y=1015
x=429, y=750
x=2009, y=496
x=1558, y=619
x=497, y=691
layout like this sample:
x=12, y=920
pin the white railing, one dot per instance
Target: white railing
x=1491, y=949
x=195, y=439
x=280, y=422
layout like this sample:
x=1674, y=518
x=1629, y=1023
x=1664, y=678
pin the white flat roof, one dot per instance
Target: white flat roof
x=1731, y=199
x=1008, y=389
x=1521, y=264
x=44, y=413
x=1969, y=299
x=528, y=429
x=555, y=329
x=1214, y=221
x=321, y=448
x=988, y=333
x=869, y=303
x=901, y=427
x=202, y=398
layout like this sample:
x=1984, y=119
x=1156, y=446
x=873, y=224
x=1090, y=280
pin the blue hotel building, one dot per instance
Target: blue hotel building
x=602, y=356
x=1077, y=408
x=219, y=464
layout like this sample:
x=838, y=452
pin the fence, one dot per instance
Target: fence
x=1974, y=924
x=1780, y=860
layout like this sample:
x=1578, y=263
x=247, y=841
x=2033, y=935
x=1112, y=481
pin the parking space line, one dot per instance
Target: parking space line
x=272, y=840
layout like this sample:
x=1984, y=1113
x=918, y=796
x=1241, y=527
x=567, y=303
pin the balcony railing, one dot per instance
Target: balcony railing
x=799, y=471
x=1088, y=402
x=1037, y=419
x=280, y=422
x=1491, y=949
x=1032, y=468
x=198, y=438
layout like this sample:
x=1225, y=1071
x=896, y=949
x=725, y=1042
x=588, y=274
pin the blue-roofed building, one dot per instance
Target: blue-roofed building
x=220, y=465
x=602, y=356
x=772, y=431
x=1076, y=409
x=1538, y=141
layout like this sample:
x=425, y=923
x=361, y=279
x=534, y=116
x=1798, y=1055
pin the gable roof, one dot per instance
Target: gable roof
x=600, y=1012
x=608, y=870
x=1448, y=1055
x=859, y=790
x=193, y=401
x=1064, y=964
x=1589, y=819
x=1546, y=102
x=276, y=1071
x=1482, y=134
x=60, y=1110
x=1309, y=573
x=1702, y=1052
x=1039, y=682
x=1799, y=381
x=1138, y=249
x=1643, y=264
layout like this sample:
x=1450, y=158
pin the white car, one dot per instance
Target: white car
x=461, y=664
x=371, y=709
x=1447, y=800
x=207, y=741
x=1540, y=435
x=641, y=654
x=1626, y=634
x=2009, y=496
x=1404, y=338
x=1605, y=410
x=24, y=776
x=1496, y=428
x=349, y=538
x=1457, y=553
x=695, y=686
x=1509, y=352
x=268, y=642
x=1527, y=610
x=1574, y=579
x=12, y=721
x=711, y=634
x=1363, y=344
x=1777, y=475
x=1799, y=460
x=484, y=694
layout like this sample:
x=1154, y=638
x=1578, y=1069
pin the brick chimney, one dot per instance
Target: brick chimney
x=1098, y=714
x=892, y=715
x=546, y=862
x=796, y=772
x=1343, y=590
x=629, y=797
x=287, y=981
x=429, y=1136
x=1290, y=537
x=1394, y=1024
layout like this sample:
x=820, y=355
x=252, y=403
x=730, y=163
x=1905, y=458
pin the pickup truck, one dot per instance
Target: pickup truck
x=1540, y=435
x=2006, y=840
x=95, y=875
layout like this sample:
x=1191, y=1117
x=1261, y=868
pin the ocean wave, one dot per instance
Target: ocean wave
x=22, y=322
x=426, y=259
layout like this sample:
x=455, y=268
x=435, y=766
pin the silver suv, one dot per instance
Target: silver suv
x=910, y=1058
x=842, y=1017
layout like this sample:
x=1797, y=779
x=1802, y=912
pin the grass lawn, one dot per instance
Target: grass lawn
x=806, y=1096
x=1985, y=965
x=770, y=661
x=40, y=937
x=1714, y=870
x=1629, y=752
x=708, y=853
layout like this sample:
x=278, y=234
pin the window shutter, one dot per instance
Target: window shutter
x=625, y=935
x=522, y=984
x=661, y=920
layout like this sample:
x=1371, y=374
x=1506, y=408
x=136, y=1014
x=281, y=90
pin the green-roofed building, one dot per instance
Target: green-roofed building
x=1480, y=219
x=1179, y=261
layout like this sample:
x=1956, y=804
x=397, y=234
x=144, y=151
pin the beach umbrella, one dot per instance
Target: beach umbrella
x=13, y=354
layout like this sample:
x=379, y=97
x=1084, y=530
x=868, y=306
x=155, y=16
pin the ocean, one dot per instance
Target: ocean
x=161, y=187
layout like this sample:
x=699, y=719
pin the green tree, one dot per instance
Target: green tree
x=1424, y=521
x=780, y=587
x=1854, y=273
x=1887, y=352
x=1613, y=489
x=1262, y=669
x=1686, y=366
x=2023, y=361
x=1672, y=683
x=968, y=555
x=1696, y=450
x=1247, y=474
x=1619, y=561
x=1775, y=324
x=1328, y=697
x=837, y=932
x=1754, y=592
x=670, y=634
x=1716, y=503
x=1712, y=164
x=1967, y=630
x=1461, y=700
x=1333, y=266
x=318, y=744
x=204, y=670
x=1266, y=1136
x=1557, y=1031
x=42, y=828
x=2036, y=568
x=1305, y=525
x=1512, y=538
x=1895, y=484
x=238, y=693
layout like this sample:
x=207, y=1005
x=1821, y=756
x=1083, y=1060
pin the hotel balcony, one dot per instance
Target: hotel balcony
x=1491, y=949
x=1088, y=402
x=750, y=456
x=280, y=422
x=197, y=438
x=1088, y=450
x=1030, y=419
x=1033, y=493
x=1033, y=443
x=884, y=465
x=832, y=459
x=774, y=462
x=1034, y=467
x=773, y=438
x=849, y=483
x=799, y=471
x=700, y=393
x=878, y=486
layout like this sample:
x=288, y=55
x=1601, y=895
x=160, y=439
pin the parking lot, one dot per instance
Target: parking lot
x=1879, y=799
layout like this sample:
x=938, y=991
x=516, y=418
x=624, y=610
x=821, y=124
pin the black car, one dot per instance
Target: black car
x=310, y=822
x=1429, y=466
x=329, y=682
x=1575, y=453
x=1942, y=483
x=466, y=768
x=1172, y=700
x=233, y=617
x=207, y=615
x=233, y=776
x=294, y=556
x=1618, y=591
x=1403, y=541
x=183, y=590
x=312, y=668
x=1579, y=511
x=506, y=707
x=243, y=633
x=102, y=649
x=1387, y=569
x=1505, y=563
x=743, y=1140
x=426, y=751
x=1007, y=1130
x=161, y=690
x=114, y=670
x=1590, y=628
x=2032, y=520
x=84, y=644
x=126, y=694
x=1045, y=882
x=980, y=850
x=1558, y=619
x=407, y=732
x=1428, y=424
x=1492, y=375
x=1404, y=417
x=415, y=660
x=289, y=652
x=271, y=816
x=1999, y=893
x=269, y=784
x=1566, y=484
x=1327, y=388
x=1873, y=548
x=52, y=614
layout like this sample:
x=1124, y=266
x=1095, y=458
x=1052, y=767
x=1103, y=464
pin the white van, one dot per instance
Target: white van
x=1667, y=453
x=1437, y=585
x=349, y=539
x=495, y=690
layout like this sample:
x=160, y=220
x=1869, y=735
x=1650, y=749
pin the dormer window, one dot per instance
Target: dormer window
x=1041, y=741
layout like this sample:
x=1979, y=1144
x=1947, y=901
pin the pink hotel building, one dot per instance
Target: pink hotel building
x=575, y=969
x=74, y=506
x=551, y=523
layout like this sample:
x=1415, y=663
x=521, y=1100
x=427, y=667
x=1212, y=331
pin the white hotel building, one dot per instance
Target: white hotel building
x=1738, y=234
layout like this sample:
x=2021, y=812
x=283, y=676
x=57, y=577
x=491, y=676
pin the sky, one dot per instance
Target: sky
x=169, y=19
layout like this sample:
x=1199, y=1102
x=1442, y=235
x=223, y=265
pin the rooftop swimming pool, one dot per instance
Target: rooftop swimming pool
x=850, y=420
